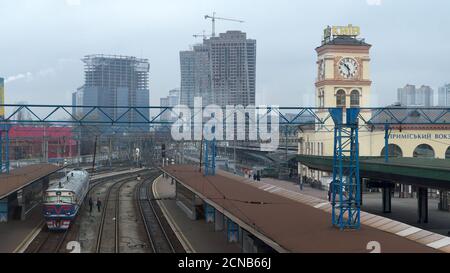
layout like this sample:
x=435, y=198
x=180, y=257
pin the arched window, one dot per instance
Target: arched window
x=321, y=98
x=340, y=98
x=424, y=151
x=354, y=98
x=447, y=153
x=393, y=151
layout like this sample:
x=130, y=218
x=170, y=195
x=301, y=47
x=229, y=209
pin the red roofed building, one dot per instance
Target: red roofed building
x=28, y=142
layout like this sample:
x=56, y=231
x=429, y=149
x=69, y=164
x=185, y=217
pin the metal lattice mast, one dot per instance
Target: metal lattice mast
x=210, y=155
x=346, y=185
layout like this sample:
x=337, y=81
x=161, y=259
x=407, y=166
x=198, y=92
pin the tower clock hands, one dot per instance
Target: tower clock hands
x=348, y=69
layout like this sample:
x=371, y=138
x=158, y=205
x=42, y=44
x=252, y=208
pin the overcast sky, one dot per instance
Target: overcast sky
x=42, y=42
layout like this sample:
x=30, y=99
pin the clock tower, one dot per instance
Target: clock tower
x=343, y=72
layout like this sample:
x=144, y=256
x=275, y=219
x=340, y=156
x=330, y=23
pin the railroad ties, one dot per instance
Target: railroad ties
x=159, y=233
x=137, y=208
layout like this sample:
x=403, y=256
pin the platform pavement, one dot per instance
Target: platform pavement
x=403, y=209
x=15, y=233
x=200, y=236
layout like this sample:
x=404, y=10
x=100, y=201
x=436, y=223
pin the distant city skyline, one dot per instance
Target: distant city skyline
x=41, y=59
x=173, y=99
x=410, y=95
x=444, y=95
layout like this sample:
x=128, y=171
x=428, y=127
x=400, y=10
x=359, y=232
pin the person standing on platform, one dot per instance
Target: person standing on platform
x=330, y=190
x=91, y=203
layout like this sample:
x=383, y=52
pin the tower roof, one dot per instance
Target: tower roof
x=346, y=40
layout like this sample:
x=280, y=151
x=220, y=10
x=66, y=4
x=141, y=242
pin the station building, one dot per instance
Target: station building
x=343, y=80
x=28, y=142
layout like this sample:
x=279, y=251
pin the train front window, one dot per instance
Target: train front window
x=51, y=199
x=65, y=199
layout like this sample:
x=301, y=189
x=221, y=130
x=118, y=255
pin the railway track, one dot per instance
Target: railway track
x=109, y=234
x=109, y=223
x=153, y=234
x=159, y=233
x=52, y=242
x=47, y=242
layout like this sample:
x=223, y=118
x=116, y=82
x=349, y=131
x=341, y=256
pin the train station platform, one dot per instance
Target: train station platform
x=422, y=173
x=195, y=236
x=16, y=235
x=21, y=190
x=19, y=178
x=292, y=222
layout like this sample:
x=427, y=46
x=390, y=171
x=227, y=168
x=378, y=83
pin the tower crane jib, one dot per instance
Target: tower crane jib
x=213, y=22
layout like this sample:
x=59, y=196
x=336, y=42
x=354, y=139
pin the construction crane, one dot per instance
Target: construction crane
x=213, y=19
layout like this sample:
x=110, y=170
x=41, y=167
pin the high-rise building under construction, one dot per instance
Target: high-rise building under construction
x=222, y=70
x=112, y=80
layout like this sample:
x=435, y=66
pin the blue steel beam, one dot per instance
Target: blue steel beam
x=298, y=115
x=89, y=114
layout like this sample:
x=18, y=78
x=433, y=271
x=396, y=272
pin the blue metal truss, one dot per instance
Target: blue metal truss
x=120, y=115
x=346, y=186
x=406, y=115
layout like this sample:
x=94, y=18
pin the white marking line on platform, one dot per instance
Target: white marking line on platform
x=408, y=231
x=290, y=193
x=269, y=188
x=321, y=205
x=274, y=190
x=29, y=238
x=440, y=243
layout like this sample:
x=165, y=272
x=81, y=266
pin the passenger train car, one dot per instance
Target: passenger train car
x=63, y=200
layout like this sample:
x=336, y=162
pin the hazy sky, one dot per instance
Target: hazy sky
x=42, y=42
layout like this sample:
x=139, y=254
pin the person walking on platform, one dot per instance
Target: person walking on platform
x=99, y=204
x=91, y=203
x=330, y=190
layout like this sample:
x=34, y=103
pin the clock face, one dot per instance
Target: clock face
x=348, y=68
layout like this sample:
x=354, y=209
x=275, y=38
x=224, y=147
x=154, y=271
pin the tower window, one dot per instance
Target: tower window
x=340, y=98
x=321, y=98
x=354, y=98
